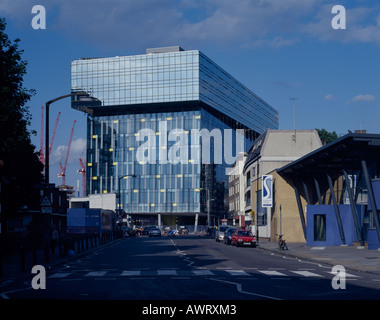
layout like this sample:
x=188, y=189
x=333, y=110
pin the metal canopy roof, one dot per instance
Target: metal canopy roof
x=344, y=153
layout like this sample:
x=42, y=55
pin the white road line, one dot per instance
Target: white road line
x=59, y=275
x=95, y=274
x=348, y=275
x=307, y=273
x=239, y=289
x=238, y=273
x=130, y=273
x=203, y=272
x=272, y=273
x=167, y=272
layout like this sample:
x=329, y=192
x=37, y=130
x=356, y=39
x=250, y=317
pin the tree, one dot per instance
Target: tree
x=21, y=168
x=327, y=137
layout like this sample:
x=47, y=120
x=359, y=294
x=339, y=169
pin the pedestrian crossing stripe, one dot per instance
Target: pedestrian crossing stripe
x=272, y=273
x=307, y=274
x=193, y=272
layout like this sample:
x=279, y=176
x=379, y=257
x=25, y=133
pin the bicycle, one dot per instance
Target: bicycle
x=281, y=243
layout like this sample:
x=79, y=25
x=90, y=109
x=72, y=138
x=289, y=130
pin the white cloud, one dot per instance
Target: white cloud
x=145, y=23
x=329, y=97
x=77, y=149
x=363, y=98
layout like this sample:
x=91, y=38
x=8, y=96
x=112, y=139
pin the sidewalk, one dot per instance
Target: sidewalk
x=354, y=258
x=12, y=265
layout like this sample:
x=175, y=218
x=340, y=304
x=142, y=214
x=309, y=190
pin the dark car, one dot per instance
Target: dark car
x=154, y=232
x=243, y=238
x=227, y=235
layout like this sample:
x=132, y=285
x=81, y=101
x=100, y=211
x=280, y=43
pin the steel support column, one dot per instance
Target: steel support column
x=336, y=209
x=371, y=198
x=318, y=191
x=306, y=193
x=353, y=208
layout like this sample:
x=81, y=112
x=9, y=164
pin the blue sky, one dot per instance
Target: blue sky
x=278, y=49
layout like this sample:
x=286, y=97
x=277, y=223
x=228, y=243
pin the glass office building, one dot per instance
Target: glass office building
x=143, y=119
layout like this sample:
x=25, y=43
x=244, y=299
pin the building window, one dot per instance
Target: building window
x=320, y=227
x=248, y=198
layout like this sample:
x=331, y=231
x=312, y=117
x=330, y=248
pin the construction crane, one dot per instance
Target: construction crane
x=55, y=130
x=42, y=156
x=62, y=174
x=82, y=170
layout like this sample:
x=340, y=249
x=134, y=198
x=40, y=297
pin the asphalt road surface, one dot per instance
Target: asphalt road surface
x=191, y=268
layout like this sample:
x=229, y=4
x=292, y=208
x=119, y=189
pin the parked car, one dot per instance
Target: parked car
x=243, y=238
x=220, y=233
x=228, y=234
x=154, y=232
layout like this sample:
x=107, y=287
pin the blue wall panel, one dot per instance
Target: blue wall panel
x=332, y=230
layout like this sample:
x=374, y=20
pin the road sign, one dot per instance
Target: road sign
x=45, y=202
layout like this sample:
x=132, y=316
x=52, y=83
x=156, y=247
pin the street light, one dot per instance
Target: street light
x=208, y=203
x=81, y=95
x=119, y=195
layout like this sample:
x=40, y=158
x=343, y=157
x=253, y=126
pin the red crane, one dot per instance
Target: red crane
x=62, y=174
x=55, y=130
x=42, y=157
x=82, y=170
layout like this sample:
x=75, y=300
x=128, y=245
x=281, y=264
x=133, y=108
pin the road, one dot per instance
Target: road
x=190, y=268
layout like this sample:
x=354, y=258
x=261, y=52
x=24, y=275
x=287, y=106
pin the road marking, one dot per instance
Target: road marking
x=237, y=273
x=167, y=272
x=307, y=273
x=272, y=273
x=203, y=273
x=131, y=273
x=239, y=289
x=348, y=275
x=59, y=275
x=96, y=274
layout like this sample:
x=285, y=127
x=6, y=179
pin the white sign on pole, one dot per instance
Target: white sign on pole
x=267, y=191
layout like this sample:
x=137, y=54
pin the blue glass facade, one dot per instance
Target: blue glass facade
x=147, y=109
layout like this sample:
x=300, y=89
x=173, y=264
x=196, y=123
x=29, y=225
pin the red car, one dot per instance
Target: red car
x=243, y=238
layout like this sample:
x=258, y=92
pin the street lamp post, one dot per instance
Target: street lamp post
x=208, y=204
x=118, y=189
x=80, y=94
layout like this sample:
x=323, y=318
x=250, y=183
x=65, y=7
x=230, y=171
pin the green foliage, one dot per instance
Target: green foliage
x=327, y=137
x=21, y=167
